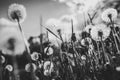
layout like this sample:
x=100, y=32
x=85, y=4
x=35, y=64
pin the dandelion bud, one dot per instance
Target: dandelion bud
x=48, y=50
x=9, y=68
x=30, y=67
x=2, y=59
x=35, y=56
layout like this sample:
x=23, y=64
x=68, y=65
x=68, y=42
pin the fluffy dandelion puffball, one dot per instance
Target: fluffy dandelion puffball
x=108, y=14
x=100, y=31
x=11, y=41
x=17, y=12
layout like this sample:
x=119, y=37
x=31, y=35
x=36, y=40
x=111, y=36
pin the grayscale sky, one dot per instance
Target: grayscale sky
x=35, y=8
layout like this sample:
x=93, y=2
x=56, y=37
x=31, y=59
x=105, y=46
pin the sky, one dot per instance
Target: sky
x=35, y=8
x=48, y=9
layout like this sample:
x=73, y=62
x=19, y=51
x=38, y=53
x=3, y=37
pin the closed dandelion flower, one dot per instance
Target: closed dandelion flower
x=83, y=42
x=37, y=78
x=40, y=65
x=100, y=31
x=35, y=56
x=17, y=12
x=48, y=66
x=87, y=41
x=83, y=57
x=36, y=40
x=9, y=68
x=48, y=50
x=118, y=68
x=91, y=47
x=30, y=67
x=11, y=41
x=53, y=79
x=2, y=59
x=47, y=72
x=108, y=14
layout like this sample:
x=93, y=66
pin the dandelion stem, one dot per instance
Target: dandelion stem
x=114, y=32
x=27, y=48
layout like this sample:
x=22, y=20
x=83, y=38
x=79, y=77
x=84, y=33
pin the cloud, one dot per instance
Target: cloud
x=5, y=23
x=52, y=22
x=79, y=6
x=68, y=18
x=63, y=23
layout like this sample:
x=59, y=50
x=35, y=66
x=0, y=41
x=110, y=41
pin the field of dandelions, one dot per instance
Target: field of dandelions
x=91, y=54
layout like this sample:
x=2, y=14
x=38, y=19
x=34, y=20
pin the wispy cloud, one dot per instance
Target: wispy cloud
x=63, y=23
x=80, y=5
